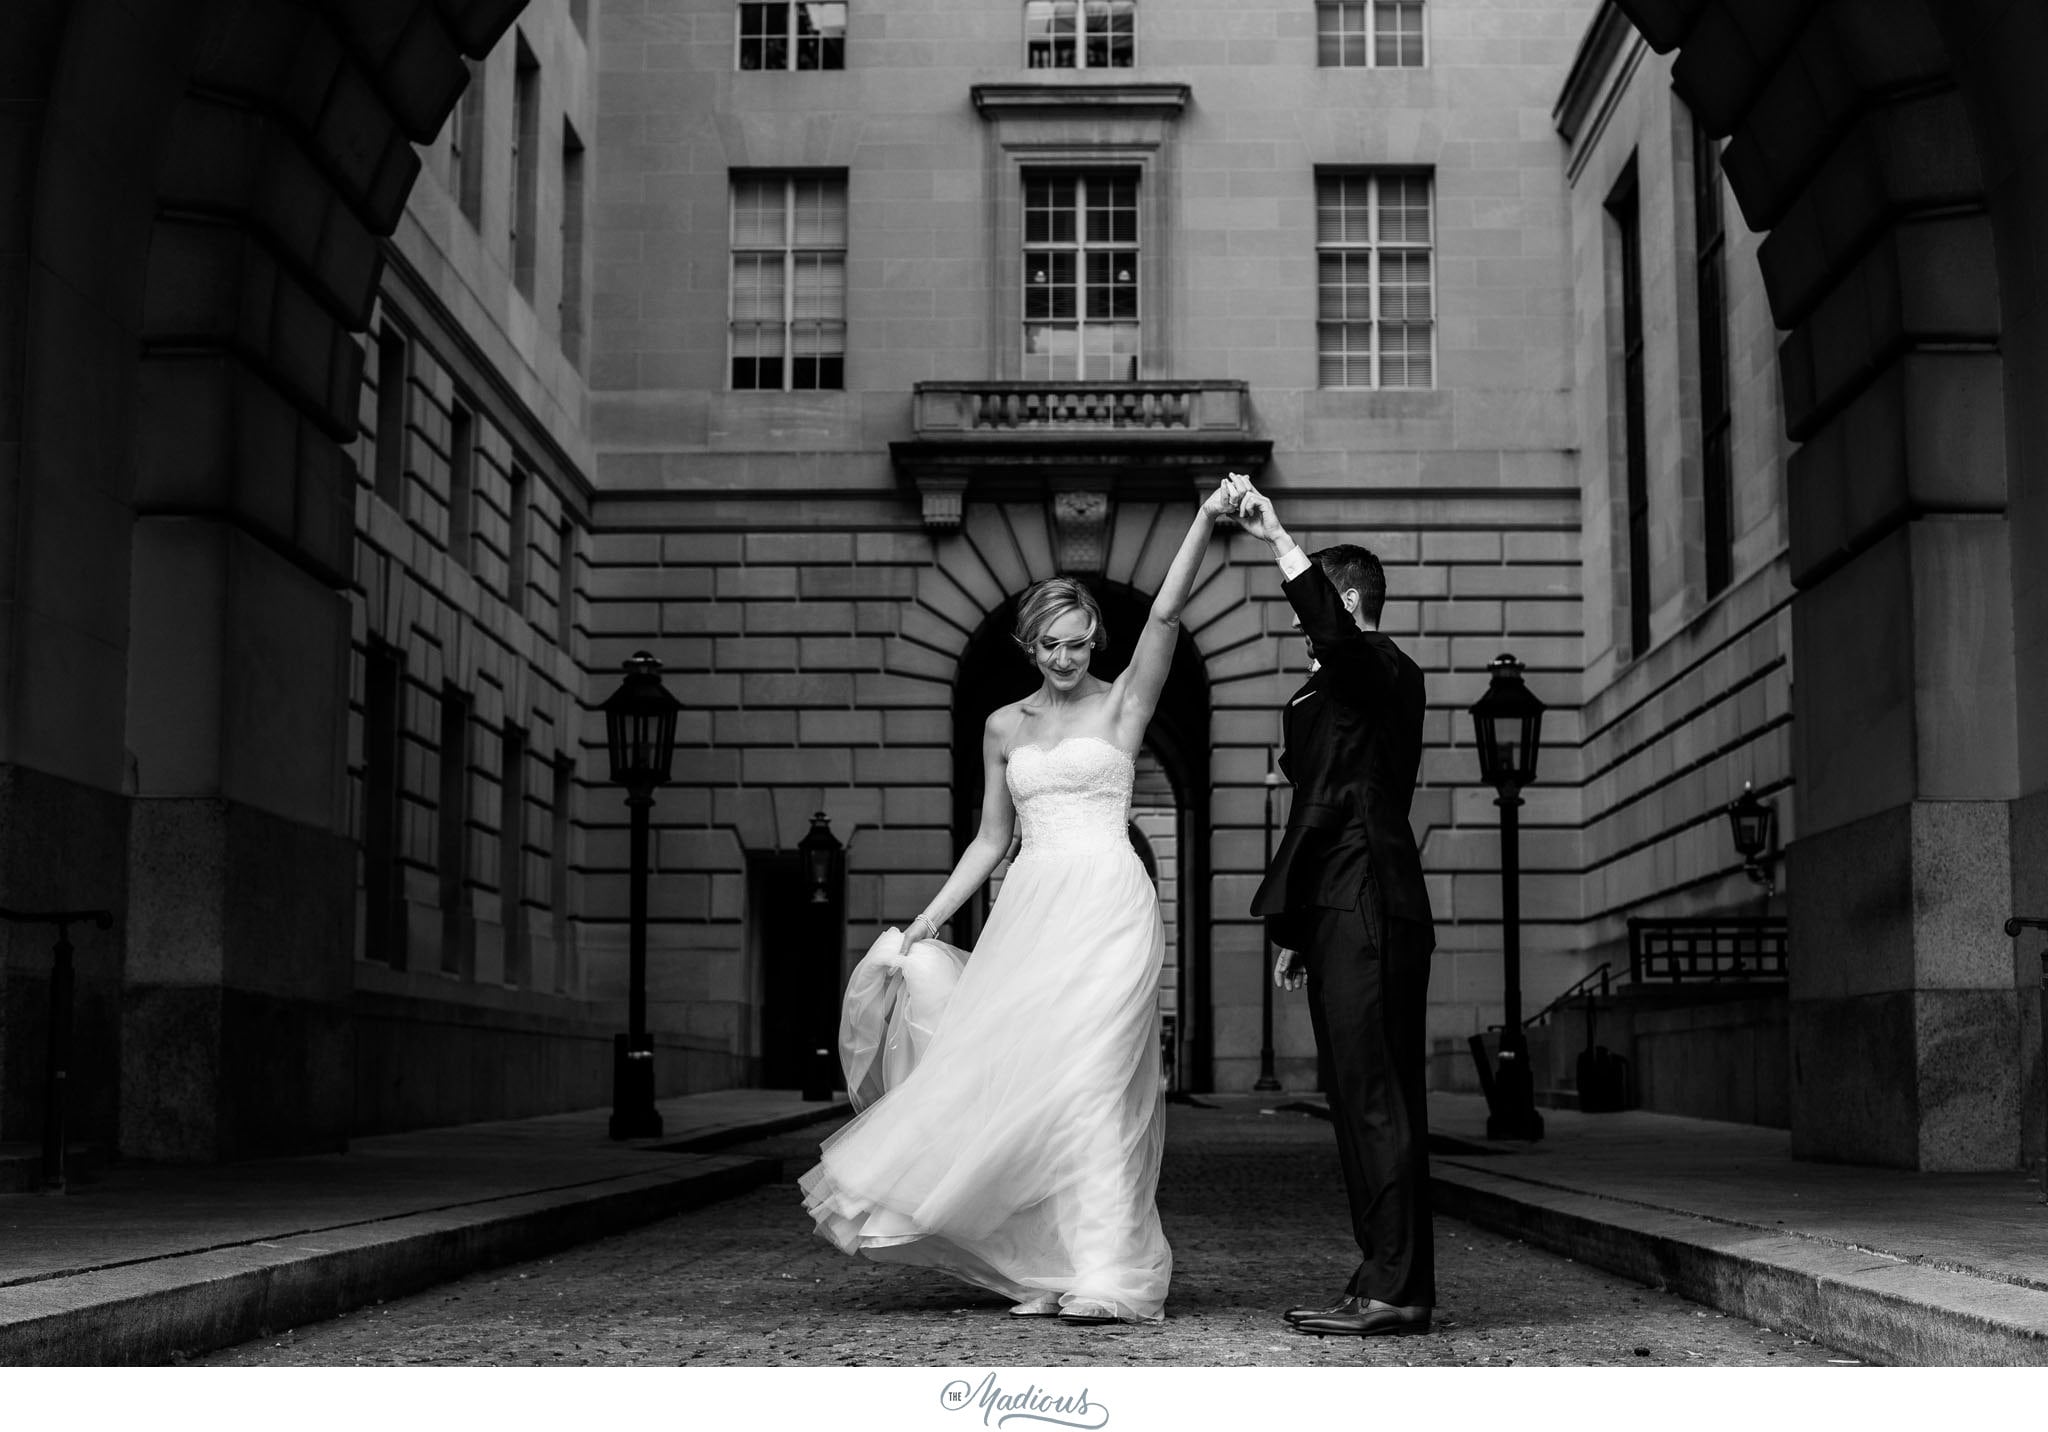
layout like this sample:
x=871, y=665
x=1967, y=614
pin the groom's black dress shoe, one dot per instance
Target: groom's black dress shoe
x=1357, y=1318
x=1345, y=1304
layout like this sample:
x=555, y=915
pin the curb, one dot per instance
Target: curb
x=727, y=1135
x=1875, y=1306
x=152, y=1311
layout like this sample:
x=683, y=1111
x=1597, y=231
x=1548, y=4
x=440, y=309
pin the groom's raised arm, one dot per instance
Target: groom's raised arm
x=1361, y=667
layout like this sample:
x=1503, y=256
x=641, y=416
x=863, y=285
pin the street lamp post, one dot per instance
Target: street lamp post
x=1508, y=724
x=640, y=732
x=824, y=863
x=1268, y=1081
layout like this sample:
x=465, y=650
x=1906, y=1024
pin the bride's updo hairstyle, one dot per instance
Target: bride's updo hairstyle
x=1050, y=600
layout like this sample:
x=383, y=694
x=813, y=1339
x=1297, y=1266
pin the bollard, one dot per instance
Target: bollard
x=2012, y=929
x=57, y=1068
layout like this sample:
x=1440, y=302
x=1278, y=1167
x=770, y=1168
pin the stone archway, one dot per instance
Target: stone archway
x=1894, y=152
x=195, y=195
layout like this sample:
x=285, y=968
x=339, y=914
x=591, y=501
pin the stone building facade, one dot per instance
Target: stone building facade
x=376, y=377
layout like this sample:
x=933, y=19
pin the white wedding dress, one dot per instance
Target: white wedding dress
x=1012, y=1134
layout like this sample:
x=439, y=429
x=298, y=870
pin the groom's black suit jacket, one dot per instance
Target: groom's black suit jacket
x=1354, y=743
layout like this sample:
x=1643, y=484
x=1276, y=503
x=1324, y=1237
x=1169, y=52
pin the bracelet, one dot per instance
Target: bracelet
x=927, y=920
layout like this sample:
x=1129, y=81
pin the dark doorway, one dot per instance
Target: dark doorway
x=993, y=672
x=778, y=893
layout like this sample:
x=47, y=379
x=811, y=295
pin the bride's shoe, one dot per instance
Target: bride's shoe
x=1088, y=1310
x=1045, y=1305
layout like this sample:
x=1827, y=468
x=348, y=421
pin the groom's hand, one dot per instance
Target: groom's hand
x=1288, y=970
x=1255, y=514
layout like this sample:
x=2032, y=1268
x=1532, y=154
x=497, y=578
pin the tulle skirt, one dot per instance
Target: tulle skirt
x=1016, y=1138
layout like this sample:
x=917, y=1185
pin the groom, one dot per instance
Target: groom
x=1345, y=901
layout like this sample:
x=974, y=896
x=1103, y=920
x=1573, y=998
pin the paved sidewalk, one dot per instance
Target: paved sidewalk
x=148, y=1261
x=1896, y=1267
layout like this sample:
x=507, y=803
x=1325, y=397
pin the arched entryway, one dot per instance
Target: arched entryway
x=992, y=672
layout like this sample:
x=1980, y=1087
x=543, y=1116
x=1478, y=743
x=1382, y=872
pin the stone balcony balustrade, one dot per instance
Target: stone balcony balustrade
x=1008, y=440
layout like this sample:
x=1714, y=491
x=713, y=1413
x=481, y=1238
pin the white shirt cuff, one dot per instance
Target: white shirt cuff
x=1293, y=562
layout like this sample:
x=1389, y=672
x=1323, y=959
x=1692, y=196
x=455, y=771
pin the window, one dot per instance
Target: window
x=1375, y=285
x=519, y=495
x=453, y=848
x=1081, y=277
x=564, y=775
x=383, y=801
x=788, y=282
x=1623, y=209
x=565, y=583
x=512, y=855
x=391, y=380
x=525, y=231
x=570, y=320
x=1080, y=34
x=461, y=482
x=1375, y=34
x=466, y=146
x=1715, y=413
x=792, y=36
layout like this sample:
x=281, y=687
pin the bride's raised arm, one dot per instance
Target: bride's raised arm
x=1136, y=692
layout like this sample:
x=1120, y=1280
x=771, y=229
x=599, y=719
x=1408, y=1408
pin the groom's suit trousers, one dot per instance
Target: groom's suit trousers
x=1368, y=991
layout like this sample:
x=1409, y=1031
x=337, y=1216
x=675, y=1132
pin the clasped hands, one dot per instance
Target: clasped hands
x=1236, y=497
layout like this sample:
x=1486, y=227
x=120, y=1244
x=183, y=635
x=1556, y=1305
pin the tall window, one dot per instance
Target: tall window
x=571, y=311
x=512, y=855
x=788, y=282
x=1624, y=209
x=461, y=481
x=453, y=851
x=1715, y=416
x=792, y=36
x=466, y=146
x=383, y=803
x=1375, y=282
x=1375, y=34
x=519, y=496
x=1081, y=316
x=562, y=779
x=525, y=165
x=1080, y=34
x=391, y=380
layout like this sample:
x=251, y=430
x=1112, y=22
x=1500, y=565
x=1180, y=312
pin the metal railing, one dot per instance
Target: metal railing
x=1582, y=987
x=1708, y=949
x=57, y=1083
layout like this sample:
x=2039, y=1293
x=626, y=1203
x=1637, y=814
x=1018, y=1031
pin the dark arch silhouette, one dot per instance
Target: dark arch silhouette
x=993, y=672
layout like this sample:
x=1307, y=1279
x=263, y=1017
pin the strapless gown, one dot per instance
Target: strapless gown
x=1016, y=1144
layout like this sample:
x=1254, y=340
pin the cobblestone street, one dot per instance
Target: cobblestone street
x=1252, y=1203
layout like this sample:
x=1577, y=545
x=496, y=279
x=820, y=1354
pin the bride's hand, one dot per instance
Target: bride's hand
x=922, y=928
x=1225, y=499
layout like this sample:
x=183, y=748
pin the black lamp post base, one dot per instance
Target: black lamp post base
x=633, y=1113
x=820, y=1081
x=1267, y=1084
x=1511, y=1103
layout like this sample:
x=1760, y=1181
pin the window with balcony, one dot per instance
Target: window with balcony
x=788, y=282
x=1081, y=318
x=1375, y=282
x=1369, y=34
x=792, y=36
x=1080, y=34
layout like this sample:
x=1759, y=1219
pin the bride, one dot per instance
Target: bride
x=1016, y=1143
